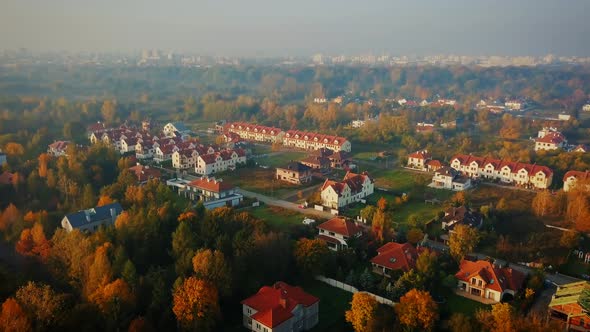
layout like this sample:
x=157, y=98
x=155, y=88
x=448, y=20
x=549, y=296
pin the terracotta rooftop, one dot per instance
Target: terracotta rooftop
x=496, y=278
x=341, y=226
x=210, y=184
x=396, y=256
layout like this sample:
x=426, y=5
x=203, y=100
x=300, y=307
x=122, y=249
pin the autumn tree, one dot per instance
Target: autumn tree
x=427, y=265
x=417, y=310
x=212, y=267
x=184, y=243
x=381, y=223
x=42, y=304
x=499, y=319
x=415, y=235
x=100, y=271
x=462, y=241
x=311, y=256
x=542, y=204
x=461, y=323
x=569, y=240
x=362, y=311
x=196, y=305
x=33, y=243
x=113, y=297
x=43, y=161
x=140, y=324
x=70, y=256
x=109, y=111
x=14, y=149
x=13, y=318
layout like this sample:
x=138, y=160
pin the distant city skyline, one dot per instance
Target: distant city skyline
x=270, y=28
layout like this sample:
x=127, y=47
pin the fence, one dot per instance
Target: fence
x=352, y=289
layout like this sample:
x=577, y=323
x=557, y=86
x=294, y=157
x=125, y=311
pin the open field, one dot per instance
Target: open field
x=333, y=303
x=280, y=219
x=261, y=180
x=459, y=304
x=281, y=158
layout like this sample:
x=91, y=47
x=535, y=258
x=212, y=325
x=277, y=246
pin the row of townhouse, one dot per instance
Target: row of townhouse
x=291, y=138
x=219, y=161
x=527, y=175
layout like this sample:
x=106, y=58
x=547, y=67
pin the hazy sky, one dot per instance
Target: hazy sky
x=300, y=27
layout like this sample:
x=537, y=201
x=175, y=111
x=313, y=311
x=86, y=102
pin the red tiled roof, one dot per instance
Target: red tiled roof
x=95, y=127
x=328, y=239
x=273, y=131
x=210, y=184
x=59, y=145
x=352, y=180
x=423, y=154
x=309, y=136
x=579, y=175
x=209, y=158
x=434, y=163
x=396, y=256
x=499, y=164
x=551, y=137
x=496, y=278
x=341, y=226
x=275, y=304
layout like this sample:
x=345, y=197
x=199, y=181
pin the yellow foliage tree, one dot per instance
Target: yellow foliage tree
x=416, y=310
x=462, y=241
x=362, y=311
x=112, y=295
x=196, y=305
x=211, y=266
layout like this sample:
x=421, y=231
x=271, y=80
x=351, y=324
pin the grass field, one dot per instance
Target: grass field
x=278, y=159
x=278, y=218
x=260, y=180
x=459, y=304
x=333, y=303
x=401, y=181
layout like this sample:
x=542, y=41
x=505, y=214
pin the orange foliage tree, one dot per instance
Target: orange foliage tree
x=13, y=317
x=36, y=217
x=311, y=255
x=211, y=266
x=362, y=311
x=113, y=296
x=9, y=217
x=104, y=200
x=43, y=161
x=417, y=310
x=196, y=305
x=140, y=324
x=33, y=242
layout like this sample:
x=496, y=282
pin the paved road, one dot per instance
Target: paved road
x=284, y=204
x=558, y=279
x=294, y=196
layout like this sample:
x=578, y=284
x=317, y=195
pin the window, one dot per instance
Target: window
x=257, y=326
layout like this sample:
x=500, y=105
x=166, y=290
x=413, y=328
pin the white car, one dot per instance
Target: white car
x=308, y=221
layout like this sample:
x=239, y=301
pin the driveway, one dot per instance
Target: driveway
x=284, y=204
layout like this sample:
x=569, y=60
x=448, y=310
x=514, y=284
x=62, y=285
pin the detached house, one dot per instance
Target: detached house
x=58, y=148
x=319, y=163
x=571, y=178
x=90, y=220
x=336, y=231
x=212, y=192
x=280, y=307
x=353, y=188
x=461, y=216
x=550, y=139
x=294, y=172
x=176, y=129
x=487, y=282
x=144, y=173
x=394, y=256
x=449, y=178
x=418, y=159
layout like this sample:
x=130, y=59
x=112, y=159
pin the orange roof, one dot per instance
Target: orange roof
x=396, y=256
x=352, y=180
x=273, y=131
x=423, y=154
x=210, y=184
x=434, y=163
x=579, y=175
x=341, y=226
x=496, y=278
x=465, y=159
x=551, y=137
x=275, y=304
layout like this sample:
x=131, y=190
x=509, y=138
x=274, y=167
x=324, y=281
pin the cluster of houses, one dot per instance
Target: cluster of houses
x=290, y=138
x=425, y=103
x=509, y=104
x=550, y=138
x=480, y=280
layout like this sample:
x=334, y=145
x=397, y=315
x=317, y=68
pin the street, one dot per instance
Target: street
x=284, y=204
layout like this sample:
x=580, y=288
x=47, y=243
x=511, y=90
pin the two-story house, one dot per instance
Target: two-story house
x=550, y=139
x=144, y=173
x=486, y=282
x=280, y=308
x=212, y=192
x=353, y=188
x=58, y=148
x=90, y=220
x=337, y=231
x=314, y=141
x=573, y=178
x=449, y=178
x=294, y=172
x=418, y=159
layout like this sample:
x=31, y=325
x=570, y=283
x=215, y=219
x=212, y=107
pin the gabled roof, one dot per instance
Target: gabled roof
x=352, y=180
x=315, y=137
x=514, y=167
x=83, y=217
x=422, y=154
x=209, y=158
x=553, y=137
x=581, y=148
x=496, y=278
x=59, y=145
x=253, y=128
x=462, y=215
x=180, y=127
x=396, y=256
x=578, y=175
x=341, y=226
x=295, y=167
x=211, y=184
x=316, y=160
x=275, y=304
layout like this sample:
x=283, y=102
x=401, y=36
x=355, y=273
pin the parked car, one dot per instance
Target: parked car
x=308, y=221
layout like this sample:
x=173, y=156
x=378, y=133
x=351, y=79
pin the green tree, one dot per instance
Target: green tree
x=184, y=243
x=462, y=241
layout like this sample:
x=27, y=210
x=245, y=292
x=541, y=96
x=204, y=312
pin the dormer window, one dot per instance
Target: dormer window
x=325, y=140
x=315, y=139
x=335, y=141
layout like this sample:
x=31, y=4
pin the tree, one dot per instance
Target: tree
x=499, y=319
x=88, y=198
x=113, y=297
x=462, y=241
x=311, y=256
x=427, y=264
x=196, y=305
x=362, y=311
x=460, y=323
x=14, y=149
x=569, y=240
x=381, y=224
x=140, y=324
x=13, y=318
x=408, y=281
x=184, y=243
x=415, y=235
x=417, y=310
x=108, y=111
x=542, y=203
x=100, y=272
x=104, y=200
x=43, y=161
x=42, y=304
x=212, y=267
x=459, y=199
x=33, y=242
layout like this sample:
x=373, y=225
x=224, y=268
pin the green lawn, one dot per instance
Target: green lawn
x=333, y=303
x=459, y=304
x=281, y=158
x=278, y=218
x=401, y=181
x=260, y=180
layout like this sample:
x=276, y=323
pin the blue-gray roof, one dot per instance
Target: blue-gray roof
x=78, y=219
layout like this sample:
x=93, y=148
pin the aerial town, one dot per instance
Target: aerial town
x=200, y=171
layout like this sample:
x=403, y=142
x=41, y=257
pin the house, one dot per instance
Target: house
x=322, y=164
x=433, y=165
x=212, y=192
x=447, y=102
x=449, y=178
x=357, y=123
x=402, y=101
x=525, y=175
x=173, y=129
x=3, y=159
x=550, y=139
x=586, y=108
x=219, y=161
x=252, y=132
x=423, y=127
x=514, y=105
x=164, y=153
x=353, y=188
x=336, y=232
x=144, y=173
x=424, y=103
x=90, y=220
x=320, y=100
x=58, y=148
x=338, y=159
x=394, y=256
x=581, y=148
x=571, y=178
x=314, y=141
x=418, y=159
x=294, y=172
x=486, y=282
x=184, y=159
x=461, y=216
x=6, y=178
x=97, y=127
x=280, y=307
x=567, y=309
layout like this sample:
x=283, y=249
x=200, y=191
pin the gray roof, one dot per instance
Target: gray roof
x=296, y=166
x=180, y=127
x=78, y=219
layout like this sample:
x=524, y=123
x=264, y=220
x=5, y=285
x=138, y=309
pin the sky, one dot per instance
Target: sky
x=300, y=27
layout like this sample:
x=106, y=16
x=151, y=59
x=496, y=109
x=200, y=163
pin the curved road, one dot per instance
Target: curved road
x=284, y=204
